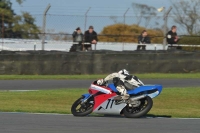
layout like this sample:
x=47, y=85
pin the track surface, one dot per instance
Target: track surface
x=40, y=123
x=48, y=123
x=56, y=84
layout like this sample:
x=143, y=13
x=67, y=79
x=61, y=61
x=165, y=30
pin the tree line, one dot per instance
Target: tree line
x=16, y=26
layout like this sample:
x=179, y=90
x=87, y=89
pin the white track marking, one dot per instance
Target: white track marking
x=18, y=90
x=32, y=113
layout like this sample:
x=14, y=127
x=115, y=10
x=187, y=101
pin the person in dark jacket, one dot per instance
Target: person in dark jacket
x=91, y=38
x=172, y=37
x=143, y=39
x=77, y=40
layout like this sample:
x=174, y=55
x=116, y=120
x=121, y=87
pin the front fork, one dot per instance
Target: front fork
x=86, y=97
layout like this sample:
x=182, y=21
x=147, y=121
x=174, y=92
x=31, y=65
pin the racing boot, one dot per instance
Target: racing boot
x=121, y=99
x=125, y=96
x=118, y=98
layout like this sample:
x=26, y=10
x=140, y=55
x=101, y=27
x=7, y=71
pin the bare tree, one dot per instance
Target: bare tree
x=144, y=12
x=187, y=15
x=114, y=18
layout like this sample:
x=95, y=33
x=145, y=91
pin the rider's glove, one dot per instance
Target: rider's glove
x=100, y=81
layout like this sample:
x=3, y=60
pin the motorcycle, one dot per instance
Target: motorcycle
x=101, y=100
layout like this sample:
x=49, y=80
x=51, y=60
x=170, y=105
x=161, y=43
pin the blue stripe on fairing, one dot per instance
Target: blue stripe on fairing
x=86, y=96
x=145, y=88
x=112, y=87
x=140, y=89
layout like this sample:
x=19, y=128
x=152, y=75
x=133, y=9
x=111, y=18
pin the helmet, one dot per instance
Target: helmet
x=124, y=72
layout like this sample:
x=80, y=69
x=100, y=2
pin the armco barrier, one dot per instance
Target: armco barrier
x=98, y=62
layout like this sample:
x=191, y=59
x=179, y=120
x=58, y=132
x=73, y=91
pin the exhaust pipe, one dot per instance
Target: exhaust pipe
x=138, y=97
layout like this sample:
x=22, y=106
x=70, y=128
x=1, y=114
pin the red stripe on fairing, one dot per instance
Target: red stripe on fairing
x=92, y=91
x=102, y=98
x=99, y=99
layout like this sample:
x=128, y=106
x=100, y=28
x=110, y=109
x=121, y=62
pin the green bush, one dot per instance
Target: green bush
x=128, y=33
x=191, y=40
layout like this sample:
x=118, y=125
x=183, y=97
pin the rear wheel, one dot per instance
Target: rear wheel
x=136, y=112
x=84, y=109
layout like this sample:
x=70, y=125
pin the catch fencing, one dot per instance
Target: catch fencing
x=123, y=27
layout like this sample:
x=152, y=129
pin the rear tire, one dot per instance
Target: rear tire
x=82, y=110
x=137, y=112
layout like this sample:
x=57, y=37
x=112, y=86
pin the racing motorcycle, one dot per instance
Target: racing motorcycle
x=101, y=100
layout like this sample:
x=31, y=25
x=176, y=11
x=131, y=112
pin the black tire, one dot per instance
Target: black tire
x=137, y=112
x=84, y=109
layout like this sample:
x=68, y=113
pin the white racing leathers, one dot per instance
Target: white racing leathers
x=121, y=88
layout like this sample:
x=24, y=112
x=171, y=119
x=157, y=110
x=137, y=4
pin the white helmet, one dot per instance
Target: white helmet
x=124, y=72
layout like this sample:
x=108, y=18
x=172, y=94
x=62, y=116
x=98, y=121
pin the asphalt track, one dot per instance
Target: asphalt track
x=51, y=123
x=48, y=123
x=57, y=84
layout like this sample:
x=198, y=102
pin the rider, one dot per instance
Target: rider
x=119, y=80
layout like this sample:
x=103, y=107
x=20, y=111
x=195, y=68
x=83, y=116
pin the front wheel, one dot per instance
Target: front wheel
x=136, y=112
x=84, y=109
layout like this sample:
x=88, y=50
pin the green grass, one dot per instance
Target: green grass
x=175, y=102
x=141, y=76
x=178, y=102
x=47, y=101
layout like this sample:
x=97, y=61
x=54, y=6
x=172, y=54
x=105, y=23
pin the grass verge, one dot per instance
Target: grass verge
x=175, y=102
x=141, y=76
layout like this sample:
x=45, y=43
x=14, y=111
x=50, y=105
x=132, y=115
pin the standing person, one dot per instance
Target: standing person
x=172, y=37
x=77, y=40
x=143, y=39
x=91, y=38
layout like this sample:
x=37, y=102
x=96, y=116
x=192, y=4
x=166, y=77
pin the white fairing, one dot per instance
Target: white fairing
x=152, y=95
x=109, y=107
x=98, y=88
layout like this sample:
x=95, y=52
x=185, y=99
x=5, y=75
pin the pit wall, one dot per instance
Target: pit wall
x=48, y=63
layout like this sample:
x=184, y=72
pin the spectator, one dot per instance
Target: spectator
x=91, y=38
x=77, y=39
x=172, y=37
x=143, y=39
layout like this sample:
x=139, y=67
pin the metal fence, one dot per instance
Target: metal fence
x=55, y=27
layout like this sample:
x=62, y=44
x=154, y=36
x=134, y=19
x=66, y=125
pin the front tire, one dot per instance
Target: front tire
x=79, y=109
x=137, y=112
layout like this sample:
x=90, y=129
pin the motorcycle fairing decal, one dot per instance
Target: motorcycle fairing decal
x=145, y=88
x=152, y=95
x=102, y=89
x=86, y=96
x=102, y=98
x=112, y=87
x=91, y=91
x=140, y=89
x=109, y=107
